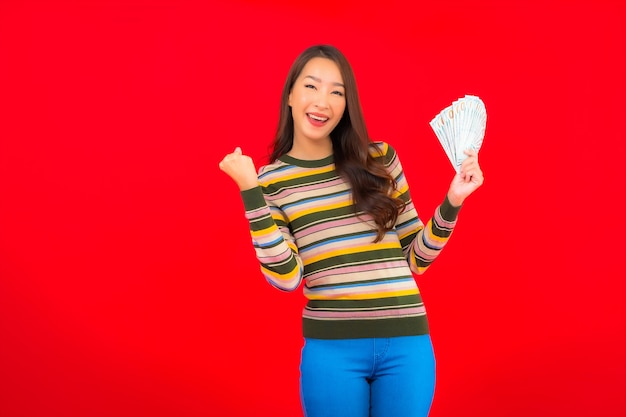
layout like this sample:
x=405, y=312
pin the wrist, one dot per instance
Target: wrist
x=455, y=200
x=247, y=183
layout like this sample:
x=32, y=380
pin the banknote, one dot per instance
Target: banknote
x=461, y=126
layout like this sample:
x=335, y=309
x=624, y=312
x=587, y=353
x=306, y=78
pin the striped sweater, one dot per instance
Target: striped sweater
x=304, y=227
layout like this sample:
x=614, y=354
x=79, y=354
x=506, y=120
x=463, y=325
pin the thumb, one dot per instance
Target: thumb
x=238, y=150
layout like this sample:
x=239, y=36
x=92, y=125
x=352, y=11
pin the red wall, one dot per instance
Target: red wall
x=128, y=285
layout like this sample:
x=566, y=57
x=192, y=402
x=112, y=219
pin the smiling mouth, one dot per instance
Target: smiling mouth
x=317, y=120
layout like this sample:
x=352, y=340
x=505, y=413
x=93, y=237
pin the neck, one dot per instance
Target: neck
x=311, y=150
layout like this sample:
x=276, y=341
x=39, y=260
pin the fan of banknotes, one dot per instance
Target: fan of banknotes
x=461, y=126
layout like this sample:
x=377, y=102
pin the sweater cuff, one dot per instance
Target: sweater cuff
x=448, y=211
x=253, y=198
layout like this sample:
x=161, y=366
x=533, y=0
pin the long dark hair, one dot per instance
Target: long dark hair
x=372, y=185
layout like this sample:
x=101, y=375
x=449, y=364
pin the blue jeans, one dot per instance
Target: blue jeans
x=374, y=377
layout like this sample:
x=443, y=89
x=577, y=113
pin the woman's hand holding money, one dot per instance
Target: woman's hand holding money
x=241, y=169
x=467, y=180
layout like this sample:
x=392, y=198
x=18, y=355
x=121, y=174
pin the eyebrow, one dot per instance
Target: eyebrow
x=319, y=81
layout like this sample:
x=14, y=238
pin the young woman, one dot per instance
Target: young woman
x=333, y=208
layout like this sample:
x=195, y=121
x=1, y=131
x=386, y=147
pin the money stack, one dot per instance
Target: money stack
x=461, y=126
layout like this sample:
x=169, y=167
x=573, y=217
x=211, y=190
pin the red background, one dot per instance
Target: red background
x=128, y=285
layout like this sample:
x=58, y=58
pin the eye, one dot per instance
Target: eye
x=309, y=86
x=338, y=93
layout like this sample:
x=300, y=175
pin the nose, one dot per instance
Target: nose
x=322, y=101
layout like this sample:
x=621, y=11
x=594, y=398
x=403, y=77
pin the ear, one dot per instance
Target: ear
x=289, y=100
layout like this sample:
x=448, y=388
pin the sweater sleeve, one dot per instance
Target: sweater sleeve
x=421, y=243
x=273, y=242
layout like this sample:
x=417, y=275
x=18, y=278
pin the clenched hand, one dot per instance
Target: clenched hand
x=241, y=169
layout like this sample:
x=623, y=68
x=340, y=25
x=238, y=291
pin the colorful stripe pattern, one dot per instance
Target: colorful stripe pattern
x=304, y=227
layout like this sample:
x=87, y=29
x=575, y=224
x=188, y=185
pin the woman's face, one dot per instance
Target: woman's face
x=317, y=100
